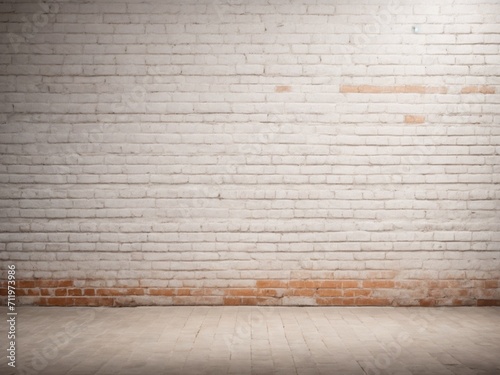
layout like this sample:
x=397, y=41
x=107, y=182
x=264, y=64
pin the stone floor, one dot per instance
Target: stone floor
x=254, y=340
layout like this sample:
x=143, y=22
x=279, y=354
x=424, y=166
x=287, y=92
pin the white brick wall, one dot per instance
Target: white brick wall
x=216, y=143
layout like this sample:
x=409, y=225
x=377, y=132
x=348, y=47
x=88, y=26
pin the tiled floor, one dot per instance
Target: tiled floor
x=255, y=340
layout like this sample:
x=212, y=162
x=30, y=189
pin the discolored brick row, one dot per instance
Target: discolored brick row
x=404, y=89
x=480, y=89
x=337, y=292
x=271, y=284
x=378, y=284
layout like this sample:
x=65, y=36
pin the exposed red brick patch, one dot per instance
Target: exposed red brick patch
x=59, y=292
x=404, y=89
x=25, y=292
x=479, y=89
x=168, y=292
x=183, y=292
x=231, y=301
x=329, y=292
x=488, y=302
x=362, y=301
x=240, y=292
x=375, y=291
x=414, y=119
x=52, y=283
x=283, y=89
x=378, y=284
x=271, y=284
x=119, y=291
x=202, y=292
x=491, y=284
x=427, y=302
x=26, y=284
x=75, y=292
x=357, y=292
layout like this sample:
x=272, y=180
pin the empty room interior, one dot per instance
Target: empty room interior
x=250, y=187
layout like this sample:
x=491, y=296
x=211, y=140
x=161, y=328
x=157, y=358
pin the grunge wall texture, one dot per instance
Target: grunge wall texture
x=238, y=152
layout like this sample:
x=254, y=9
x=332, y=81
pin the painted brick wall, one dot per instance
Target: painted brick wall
x=251, y=152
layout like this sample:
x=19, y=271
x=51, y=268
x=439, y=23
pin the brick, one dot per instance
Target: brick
x=74, y=292
x=378, y=284
x=232, y=301
x=408, y=89
x=22, y=292
x=25, y=283
x=357, y=292
x=240, y=292
x=488, y=302
x=366, y=301
x=491, y=284
x=271, y=284
x=283, y=89
x=427, y=302
x=478, y=90
x=329, y=292
x=414, y=119
x=161, y=292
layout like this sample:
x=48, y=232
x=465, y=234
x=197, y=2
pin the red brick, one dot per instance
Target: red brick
x=378, y=284
x=349, y=301
x=330, y=284
x=427, y=302
x=133, y=291
x=481, y=89
x=55, y=301
x=60, y=292
x=488, y=302
x=283, y=89
x=372, y=301
x=491, y=284
x=357, y=292
x=75, y=292
x=414, y=119
x=329, y=292
x=26, y=292
x=241, y=292
x=304, y=284
x=25, y=284
x=408, y=89
x=231, y=301
x=266, y=292
x=168, y=292
x=271, y=284
x=350, y=284
x=47, y=283
x=65, y=283
x=201, y=292
x=92, y=301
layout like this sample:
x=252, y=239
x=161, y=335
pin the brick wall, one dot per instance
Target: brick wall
x=251, y=152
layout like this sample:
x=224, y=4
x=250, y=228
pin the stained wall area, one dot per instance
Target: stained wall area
x=235, y=152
